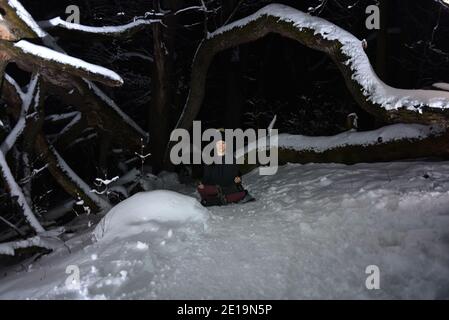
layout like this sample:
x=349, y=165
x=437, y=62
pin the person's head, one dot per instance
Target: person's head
x=220, y=146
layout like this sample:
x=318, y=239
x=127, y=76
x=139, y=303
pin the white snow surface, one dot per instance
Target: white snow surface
x=52, y=55
x=374, y=89
x=312, y=233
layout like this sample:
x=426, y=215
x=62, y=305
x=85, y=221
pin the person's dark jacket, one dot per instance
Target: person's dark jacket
x=222, y=175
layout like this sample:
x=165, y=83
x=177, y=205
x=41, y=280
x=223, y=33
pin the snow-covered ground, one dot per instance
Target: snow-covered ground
x=311, y=234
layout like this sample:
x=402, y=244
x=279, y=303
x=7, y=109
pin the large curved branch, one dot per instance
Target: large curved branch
x=387, y=103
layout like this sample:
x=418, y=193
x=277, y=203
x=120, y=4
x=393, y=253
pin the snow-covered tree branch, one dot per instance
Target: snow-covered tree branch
x=73, y=79
x=372, y=94
x=60, y=26
x=59, y=169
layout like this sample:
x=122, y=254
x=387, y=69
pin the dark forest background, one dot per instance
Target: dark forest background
x=247, y=86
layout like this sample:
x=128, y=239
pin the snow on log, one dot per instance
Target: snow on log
x=363, y=138
x=48, y=58
x=9, y=248
x=126, y=30
x=385, y=102
x=390, y=143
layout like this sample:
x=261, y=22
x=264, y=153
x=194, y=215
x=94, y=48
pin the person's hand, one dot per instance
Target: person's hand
x=201, y=186
x=238, y=180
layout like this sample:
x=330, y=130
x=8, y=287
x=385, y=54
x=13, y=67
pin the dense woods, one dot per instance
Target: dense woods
x=77, y=138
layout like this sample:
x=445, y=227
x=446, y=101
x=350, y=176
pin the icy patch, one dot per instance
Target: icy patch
x=144, y=211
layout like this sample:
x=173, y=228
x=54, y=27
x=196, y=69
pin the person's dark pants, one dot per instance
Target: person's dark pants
x=216, y=195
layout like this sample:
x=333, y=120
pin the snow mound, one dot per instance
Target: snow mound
x=140, y=212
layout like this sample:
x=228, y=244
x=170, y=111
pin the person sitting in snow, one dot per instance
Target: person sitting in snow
x=222, y=182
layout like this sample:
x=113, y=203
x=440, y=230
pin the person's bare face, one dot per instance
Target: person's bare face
x=221, y=148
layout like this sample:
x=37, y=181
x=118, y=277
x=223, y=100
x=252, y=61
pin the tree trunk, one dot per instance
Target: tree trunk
x=162, y=91
x=234, y=90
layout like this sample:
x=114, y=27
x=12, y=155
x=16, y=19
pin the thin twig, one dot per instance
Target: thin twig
x=12, y=226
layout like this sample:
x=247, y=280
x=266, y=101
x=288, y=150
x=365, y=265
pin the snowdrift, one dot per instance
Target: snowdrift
x=142, y=211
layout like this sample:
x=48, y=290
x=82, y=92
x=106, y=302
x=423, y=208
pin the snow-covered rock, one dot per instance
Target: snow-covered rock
x=142, y=211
